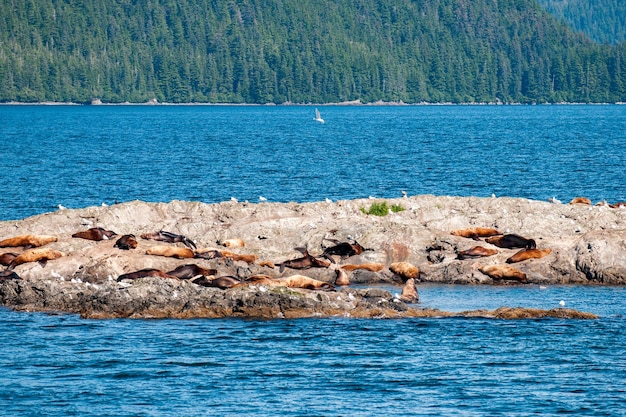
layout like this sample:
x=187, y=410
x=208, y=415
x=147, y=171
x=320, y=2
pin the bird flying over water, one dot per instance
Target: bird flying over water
x=318, y=117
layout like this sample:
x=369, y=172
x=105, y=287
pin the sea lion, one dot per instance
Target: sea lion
x=301, y=281
x=341, y=277
x=409, y=292
x=343, y=249
x=370, y=266
x=148, y=272
x=511, y=241
x=223, y=282
x=169, y=237
x=305, y=262
x=405, y=270
x=476, y=252
x=232, y=243
x=476, y=232
x=247, y=258
x=503, y=272
x=170, y=251
x=126, y=242
x=7, y=275
x=41, y=255
x=525, y=254
x=95, y=233
x=6, y=258
x=208, y=254
x=581, y=200
x=618, y=204
x=268, y=264
x=27, y=241
x=190, y=271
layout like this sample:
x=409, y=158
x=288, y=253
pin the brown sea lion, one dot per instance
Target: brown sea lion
x=232, y=243
x=268, y=264
x=476, y=232
x=7, y=275
x=305, y=262
x=301, y=281
x=41, y=255
x=405, y=270
x=170, y=251
x=27, y=241
x=525, y=254
x=223, y=282
x=148, y=272
x=341, y=277
x=581, y=200
x=476, y=252
x=208, y=254
x=618, y=204
x=343, y=249
x=95, y=233
x=169, y=237
x=189, y=271
x=409, y=292
x=247, y=258
x=511, y=241
x=370, y=266
x=6, y=258
x=503, y=272
x=126, y=242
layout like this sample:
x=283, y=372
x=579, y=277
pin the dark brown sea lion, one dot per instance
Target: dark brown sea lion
x=95, y=233
x=503, y=272
x=511, y=241
x=343, y=249
x=223, y=282
x=305, y=262
x=27, y=241
x=169, y=237
x=7, y=275
x=476, y=252
x=618, y=204
x=476, y=232
x=525, y=254
x=189, y=271
x=170, y=251
x=142, y=273
x=405, y=270
x=409, y=292
x=126, y=242
x=41, y=255
x=6, y=258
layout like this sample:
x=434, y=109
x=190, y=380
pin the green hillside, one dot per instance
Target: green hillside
x=260, y=51
x=602, y=20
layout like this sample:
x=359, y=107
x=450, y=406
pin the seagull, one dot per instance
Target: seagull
x=261, y=198
x=554, y=200
x=562, y=303
x=61, y=207
x=404, y=195
x=234, y=200
x=328, y=200
x=318, y=117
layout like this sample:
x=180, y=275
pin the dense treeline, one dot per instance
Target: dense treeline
x=602, y=20
x=260, y=51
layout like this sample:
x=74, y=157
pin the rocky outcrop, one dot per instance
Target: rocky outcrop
x=587, y=247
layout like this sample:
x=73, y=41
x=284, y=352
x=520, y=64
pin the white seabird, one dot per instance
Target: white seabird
x=318, y=117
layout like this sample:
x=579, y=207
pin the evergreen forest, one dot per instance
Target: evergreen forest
x=604, y=21
x=300, y=51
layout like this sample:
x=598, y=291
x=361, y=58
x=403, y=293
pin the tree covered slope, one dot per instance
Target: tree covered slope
x=260, y=51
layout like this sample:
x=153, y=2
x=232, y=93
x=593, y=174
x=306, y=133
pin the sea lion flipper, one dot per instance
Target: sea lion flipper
x=42, y=262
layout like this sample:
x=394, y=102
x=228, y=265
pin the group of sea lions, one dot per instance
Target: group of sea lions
x=209, y=277
x=528, y=250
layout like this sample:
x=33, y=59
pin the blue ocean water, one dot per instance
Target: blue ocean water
x=80, y=156
x=77, y=156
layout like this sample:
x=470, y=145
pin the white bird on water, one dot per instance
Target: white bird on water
x=318, y=117
x=562, y=303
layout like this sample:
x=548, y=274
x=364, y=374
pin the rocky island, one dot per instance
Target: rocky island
x=286, y=260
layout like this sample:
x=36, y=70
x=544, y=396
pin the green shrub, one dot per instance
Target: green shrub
x=381, y=209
